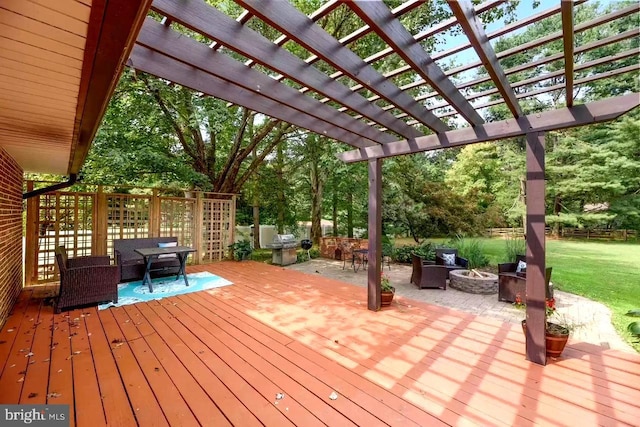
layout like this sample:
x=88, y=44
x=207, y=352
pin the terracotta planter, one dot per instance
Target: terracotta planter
x=386, y=298
x=555, y=342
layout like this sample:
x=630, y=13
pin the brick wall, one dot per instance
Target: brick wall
x=10, y=233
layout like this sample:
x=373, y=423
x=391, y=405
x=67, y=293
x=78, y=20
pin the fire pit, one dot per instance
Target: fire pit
x=466, y=281
x=283, y=249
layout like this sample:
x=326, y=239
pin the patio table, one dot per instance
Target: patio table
x=148, y=254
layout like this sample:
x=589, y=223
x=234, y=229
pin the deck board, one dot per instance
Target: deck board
x=220, y=357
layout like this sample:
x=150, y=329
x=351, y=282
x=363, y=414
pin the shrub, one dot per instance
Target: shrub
x=241, y=250
x=514, y=246
x=424, y=250
x=471, y=249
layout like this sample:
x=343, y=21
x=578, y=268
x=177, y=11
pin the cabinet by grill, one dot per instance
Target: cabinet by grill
x=283, y=249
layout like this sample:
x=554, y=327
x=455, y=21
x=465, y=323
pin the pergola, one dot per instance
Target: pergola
x=335, y=92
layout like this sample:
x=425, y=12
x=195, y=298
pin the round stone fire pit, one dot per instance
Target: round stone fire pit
x=462, y=281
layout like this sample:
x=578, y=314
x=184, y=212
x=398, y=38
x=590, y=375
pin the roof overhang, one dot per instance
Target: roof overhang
x=61, y=61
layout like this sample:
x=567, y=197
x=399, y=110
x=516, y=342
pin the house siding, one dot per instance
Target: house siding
x=11, y=176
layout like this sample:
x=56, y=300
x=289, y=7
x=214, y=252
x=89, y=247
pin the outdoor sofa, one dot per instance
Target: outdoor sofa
x=131, y=263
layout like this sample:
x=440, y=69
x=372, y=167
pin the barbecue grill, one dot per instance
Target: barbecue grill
x=306, y=244
x=283, y=249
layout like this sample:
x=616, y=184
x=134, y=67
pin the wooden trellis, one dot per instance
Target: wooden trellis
x=87, y=223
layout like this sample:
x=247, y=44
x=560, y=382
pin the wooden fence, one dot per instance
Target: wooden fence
x=87, y=223
x=581, y=233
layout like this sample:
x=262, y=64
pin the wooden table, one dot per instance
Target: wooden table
x=182, y=252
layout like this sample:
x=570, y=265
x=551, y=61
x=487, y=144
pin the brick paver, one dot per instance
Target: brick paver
x=593, y=319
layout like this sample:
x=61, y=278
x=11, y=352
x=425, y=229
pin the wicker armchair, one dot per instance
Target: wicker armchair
x=428, y=276
x=85, y=280
x=512, y=284
x=460, y=263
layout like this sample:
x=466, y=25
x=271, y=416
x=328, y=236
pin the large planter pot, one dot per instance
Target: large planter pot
x=556, y=338
x=386, y=298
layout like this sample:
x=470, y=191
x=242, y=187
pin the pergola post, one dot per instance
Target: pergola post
x=536, y=295
x=375, y=233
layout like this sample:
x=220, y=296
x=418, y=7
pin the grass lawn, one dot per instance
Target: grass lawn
x=608, y=272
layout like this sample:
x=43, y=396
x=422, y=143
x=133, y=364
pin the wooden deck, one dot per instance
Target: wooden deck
x=220, y=357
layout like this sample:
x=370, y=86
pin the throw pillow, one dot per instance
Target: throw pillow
x=522, y=267
x=167, y=245
x=449, y=259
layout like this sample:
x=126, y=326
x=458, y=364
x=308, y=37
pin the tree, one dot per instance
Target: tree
x=159, y=133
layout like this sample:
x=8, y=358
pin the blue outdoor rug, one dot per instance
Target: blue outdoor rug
x=163, y=287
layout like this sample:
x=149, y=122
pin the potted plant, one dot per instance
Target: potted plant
x=634, y=327
x=388, y=291
x=556, y=333
x=241, y=250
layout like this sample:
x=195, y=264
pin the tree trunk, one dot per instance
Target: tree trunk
x=334, y=207
x=316, y=205
x=557, y=205
x=523, y=200
x=349, y=214
x=256, y=223
x=280, y=196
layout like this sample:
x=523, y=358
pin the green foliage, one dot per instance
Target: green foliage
x=425, y=250
x=241, y=250
x=471, y=249
x=634, y=327
x=514, y=246
x=387, y=246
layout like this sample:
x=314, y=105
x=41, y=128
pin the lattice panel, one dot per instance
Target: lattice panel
x=63, y=219
x=216, y=235
x=128, y=217
x=177, y=219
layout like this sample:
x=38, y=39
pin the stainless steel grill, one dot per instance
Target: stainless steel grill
x=283, y=249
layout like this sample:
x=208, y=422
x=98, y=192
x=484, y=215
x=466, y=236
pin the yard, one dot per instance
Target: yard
x=607, y=272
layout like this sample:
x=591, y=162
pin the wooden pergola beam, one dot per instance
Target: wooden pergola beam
x=161, y=39
x=380, y=19
x=568, y=42
x=474, y=30
x=289, y=20
x=535, y=282
x=208, y=21
x=562, y=118
x=592, y=78
x=106, y=51
x=162, y=66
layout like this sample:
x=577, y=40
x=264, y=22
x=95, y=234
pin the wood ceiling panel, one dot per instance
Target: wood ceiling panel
x=40, y=41
x=19, y=105
x=38, y=70
x=32, y=88
x=18, y=21
x=39, y=54
x=46, y=15
x=7, y=54
x=14, y=138
x=70, y=8
x=38, y=119
x=38, y=129
x=63, y=87
x=53, y=160
x=9, y=94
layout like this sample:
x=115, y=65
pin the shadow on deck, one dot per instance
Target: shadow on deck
x=278, y=345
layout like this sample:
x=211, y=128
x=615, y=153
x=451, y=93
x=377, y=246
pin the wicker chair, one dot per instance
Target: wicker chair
x=85, y=280
x=428, y=276
x=512, y=284
x=460, y=263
